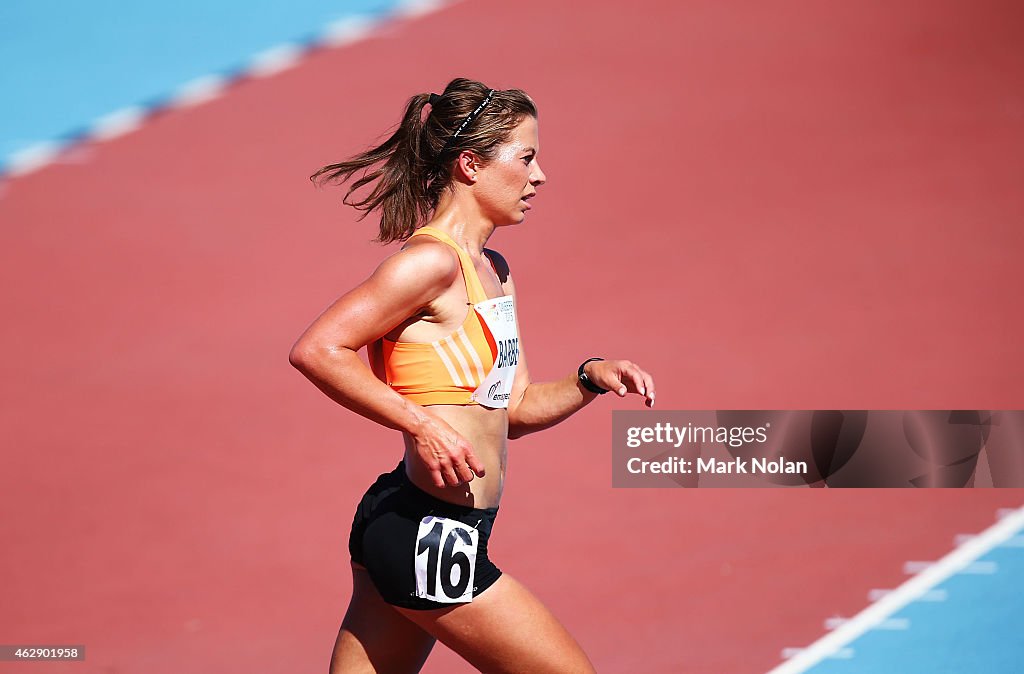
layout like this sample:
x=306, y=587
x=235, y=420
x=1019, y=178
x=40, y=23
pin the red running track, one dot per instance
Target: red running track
x=807, y=205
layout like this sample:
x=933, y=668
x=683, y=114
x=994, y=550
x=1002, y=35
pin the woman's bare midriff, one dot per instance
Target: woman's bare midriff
x=486, y=430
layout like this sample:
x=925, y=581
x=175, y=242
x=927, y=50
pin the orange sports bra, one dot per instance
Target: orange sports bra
x=475, y=365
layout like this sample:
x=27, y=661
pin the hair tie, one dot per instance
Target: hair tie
x=466, y=122
x=473, y=115
x=434, y=98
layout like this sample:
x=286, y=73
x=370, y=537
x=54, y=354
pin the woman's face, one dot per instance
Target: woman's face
x=505, y=183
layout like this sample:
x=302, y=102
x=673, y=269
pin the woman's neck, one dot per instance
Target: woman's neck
x=464, y=224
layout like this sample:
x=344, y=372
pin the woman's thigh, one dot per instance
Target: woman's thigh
x=505, y=629
x=374, y=637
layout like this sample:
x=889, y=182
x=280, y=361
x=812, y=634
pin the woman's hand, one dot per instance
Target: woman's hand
x=622, y=377
x=446, y=454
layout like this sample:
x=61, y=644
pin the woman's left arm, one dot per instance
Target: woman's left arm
x=534, y=406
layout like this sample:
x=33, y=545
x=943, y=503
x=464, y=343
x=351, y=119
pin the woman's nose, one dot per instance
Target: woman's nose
x=538, y=177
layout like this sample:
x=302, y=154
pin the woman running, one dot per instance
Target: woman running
x=447, y=369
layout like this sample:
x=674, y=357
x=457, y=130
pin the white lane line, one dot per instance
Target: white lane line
x=983, y=568
x=841, y=654
x=931, y=595
x=895, y=624
x=1008, y=527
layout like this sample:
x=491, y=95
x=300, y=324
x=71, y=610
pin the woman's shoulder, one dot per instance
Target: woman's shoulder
x=423, y=260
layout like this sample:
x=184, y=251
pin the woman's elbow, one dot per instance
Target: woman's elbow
x=516, y=430
x=302, y=356
x=311, y=357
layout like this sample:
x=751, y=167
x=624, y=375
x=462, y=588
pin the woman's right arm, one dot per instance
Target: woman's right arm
x=326, y=354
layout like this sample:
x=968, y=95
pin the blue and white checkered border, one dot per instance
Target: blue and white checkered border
x=340, y=33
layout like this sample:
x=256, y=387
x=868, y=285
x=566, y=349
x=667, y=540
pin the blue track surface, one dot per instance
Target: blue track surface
x=978, y=628
x=68, y=63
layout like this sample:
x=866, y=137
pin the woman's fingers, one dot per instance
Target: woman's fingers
x=447, y=455
x=636, y=377
x=468, y=466
x=625, y=377
x=649, y=386
x=452, y=463
x=453, y=470
x=464, y=472
x=435, y=475
x=474, y=464
x=451, y=478
x=644, y=384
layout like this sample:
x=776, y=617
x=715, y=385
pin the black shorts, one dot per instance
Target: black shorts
x=421, y=552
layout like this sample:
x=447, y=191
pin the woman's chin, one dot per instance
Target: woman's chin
x=515, y=219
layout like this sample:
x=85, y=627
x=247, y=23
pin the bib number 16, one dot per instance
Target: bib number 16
x=445, y=560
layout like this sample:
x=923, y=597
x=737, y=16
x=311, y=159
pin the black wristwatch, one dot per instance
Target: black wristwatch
x=585, y=380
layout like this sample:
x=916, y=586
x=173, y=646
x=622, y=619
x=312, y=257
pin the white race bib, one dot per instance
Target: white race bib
x=499, y=314
x=445, y=560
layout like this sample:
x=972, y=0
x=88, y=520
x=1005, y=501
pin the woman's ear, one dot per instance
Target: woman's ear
x=468, y=164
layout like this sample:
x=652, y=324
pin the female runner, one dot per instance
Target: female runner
x=447, y=369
